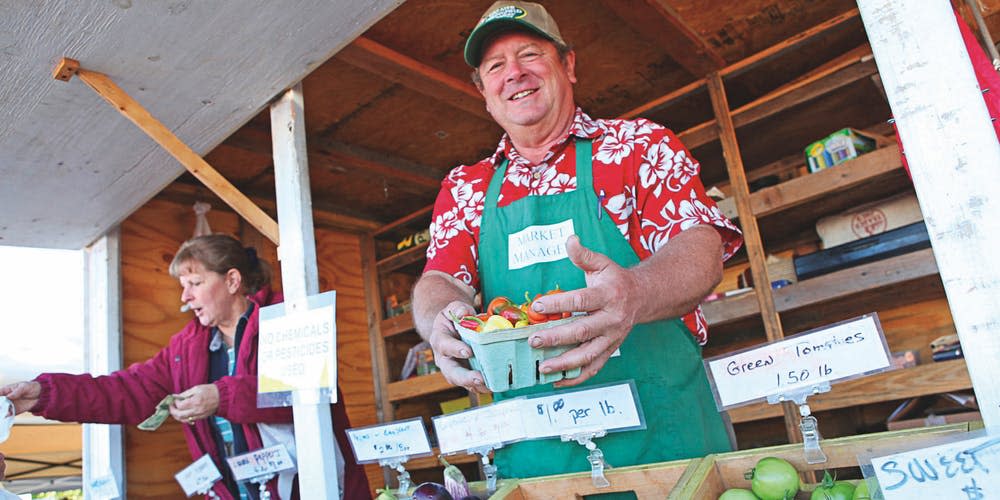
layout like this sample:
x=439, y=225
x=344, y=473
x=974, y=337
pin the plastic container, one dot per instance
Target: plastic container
x=506, y=359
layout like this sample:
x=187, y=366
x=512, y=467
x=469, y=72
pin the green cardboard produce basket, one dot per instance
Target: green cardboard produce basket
x=506, y=359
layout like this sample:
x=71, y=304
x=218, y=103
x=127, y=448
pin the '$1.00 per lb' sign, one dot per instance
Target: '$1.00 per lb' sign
x=843, y=350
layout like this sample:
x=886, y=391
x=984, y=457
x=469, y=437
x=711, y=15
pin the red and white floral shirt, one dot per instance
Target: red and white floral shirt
x=646, y=178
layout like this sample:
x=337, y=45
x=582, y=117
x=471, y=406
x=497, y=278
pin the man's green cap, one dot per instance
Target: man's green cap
x=504, y=15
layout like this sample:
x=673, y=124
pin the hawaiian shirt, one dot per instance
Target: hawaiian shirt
x=644, y=177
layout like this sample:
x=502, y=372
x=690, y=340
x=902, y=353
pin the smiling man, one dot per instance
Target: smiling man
x=640, y=245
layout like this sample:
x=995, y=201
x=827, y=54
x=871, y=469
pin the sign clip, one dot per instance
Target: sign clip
x=403, y=478
x=489, y=470
x=261, y=482
x=596, y=456
x=808, y=425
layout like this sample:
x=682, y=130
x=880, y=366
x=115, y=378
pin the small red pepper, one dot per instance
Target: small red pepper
x=471, y=322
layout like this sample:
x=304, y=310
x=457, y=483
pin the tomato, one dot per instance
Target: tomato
x=738, y=494
x=497, y=304
x=861, y=492
x=774, y=478
x=830, y=489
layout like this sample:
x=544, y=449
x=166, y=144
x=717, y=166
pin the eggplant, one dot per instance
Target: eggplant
x=431, y=491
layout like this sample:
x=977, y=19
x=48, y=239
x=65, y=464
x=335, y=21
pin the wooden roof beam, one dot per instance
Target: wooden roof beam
x=844, y=70
x=743, y=64
x=375, y=58
x=351, y=157
x=675, y=36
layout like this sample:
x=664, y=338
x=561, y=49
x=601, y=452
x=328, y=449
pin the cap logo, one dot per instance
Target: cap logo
x=505, y=12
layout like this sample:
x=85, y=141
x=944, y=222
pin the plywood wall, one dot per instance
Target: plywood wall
x=151, y=315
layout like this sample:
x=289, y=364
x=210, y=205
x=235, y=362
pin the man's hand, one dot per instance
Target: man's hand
x=196, y=403
x=449, y=349
x=24, y=395
x=612, y=297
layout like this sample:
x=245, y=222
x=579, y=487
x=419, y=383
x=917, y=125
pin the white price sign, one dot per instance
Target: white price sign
x=298, y=351
x=406, y=438
x=104, y=488
x=479, y=427
x=260, y=463
x=198, y=477
x=964, y=469
x=851, y=348
x=611, y=407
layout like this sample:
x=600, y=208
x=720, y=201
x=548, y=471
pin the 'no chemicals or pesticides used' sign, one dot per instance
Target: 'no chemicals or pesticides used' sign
x=297, y=351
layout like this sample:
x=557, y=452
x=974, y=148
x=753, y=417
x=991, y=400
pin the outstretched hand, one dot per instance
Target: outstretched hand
x=612, y=298
x=24, y=395
x=196, y=403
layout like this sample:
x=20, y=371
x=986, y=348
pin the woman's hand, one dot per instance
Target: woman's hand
x=196, y=403
x=449, y=349
x=24, y=395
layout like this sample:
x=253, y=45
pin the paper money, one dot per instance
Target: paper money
x=156, y=419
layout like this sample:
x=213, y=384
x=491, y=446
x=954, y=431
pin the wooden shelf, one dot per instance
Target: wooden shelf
x=397, y=324
x=432, y=461
x=417, y=386
x=920, y=380
x=402, y=259
x=837, y=285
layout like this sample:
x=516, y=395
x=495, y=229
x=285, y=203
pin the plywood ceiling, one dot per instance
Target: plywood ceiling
x=393, y=110
x=71, y=166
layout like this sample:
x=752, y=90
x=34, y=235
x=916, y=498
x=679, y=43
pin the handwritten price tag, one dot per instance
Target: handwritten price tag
x=406, y=438
x=844, y=350
x=495, y=424
x=965, y=469
x=612, y=407
x=260, y=463
x=104, y=488
x=199, y=476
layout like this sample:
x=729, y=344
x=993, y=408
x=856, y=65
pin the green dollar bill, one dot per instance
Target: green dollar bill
x=156, y=419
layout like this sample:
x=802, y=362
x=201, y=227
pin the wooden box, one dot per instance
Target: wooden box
x=717, y=473
x=649, y=481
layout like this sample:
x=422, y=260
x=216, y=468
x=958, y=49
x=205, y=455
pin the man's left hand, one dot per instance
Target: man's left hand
x=196, y=403
x=612, y=297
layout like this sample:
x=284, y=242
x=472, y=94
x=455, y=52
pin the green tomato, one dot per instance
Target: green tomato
x=774, y=478
x=738, y=494
x=861, y=492
x=831, y=489
x=841, y=490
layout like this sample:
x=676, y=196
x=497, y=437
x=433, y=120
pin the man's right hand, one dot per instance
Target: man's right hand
x=449, y=349
x=24, y=395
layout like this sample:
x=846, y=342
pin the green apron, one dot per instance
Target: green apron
x=662, y=357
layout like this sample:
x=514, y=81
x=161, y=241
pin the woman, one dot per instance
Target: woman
x=210, y=367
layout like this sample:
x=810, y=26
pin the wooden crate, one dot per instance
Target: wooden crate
x=649, y=481
x=717, y=473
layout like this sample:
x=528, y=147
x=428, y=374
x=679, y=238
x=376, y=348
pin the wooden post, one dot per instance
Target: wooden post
x=954, y=157
x=316, y=448
x=103, y=445
x=131, y=109
x=751, y=233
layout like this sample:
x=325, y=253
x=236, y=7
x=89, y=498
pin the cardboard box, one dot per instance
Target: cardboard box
x=868, y=220
x=837, y=148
